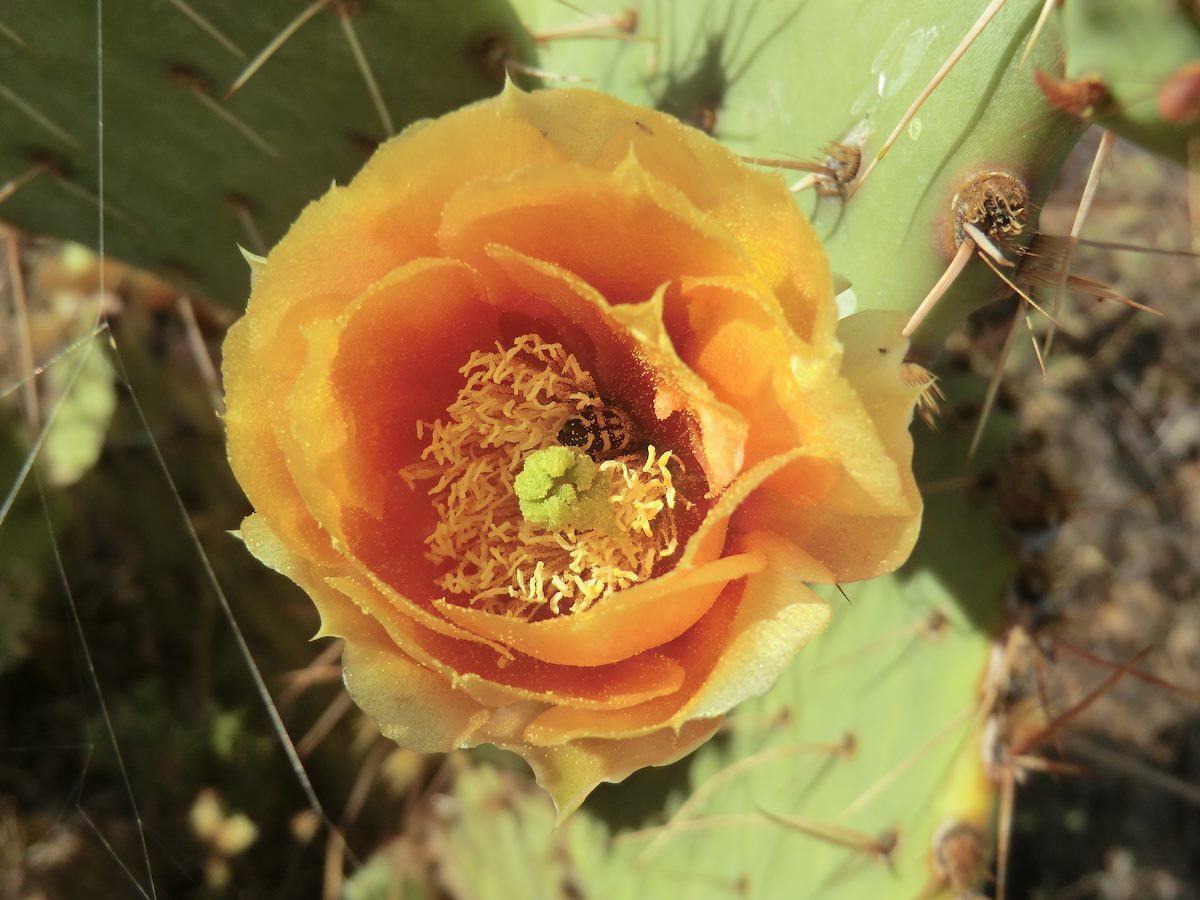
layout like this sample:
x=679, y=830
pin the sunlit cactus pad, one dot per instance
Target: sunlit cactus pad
x=189, y=174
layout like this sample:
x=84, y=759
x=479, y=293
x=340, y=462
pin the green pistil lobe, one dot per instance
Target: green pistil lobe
x=562, y=487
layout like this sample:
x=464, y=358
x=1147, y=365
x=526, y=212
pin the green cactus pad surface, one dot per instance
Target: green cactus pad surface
x=1134, y=47
x=787, y=80
x=188, y=174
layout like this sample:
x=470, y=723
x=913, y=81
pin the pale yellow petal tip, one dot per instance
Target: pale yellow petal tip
x=570, y=772
x=874, y=353
x=254, y=261
x=512, y=95
x=325, y=630
x=630, y=175
x=567, y=803
x=883, y=327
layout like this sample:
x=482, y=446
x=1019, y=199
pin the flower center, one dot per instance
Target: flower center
x=561, y=487
x=546, y=501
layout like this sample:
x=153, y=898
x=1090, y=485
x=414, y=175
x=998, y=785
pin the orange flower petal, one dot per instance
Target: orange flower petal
x=276, y=554
x=751, y=206
x=256, y=387
x=414, y=706
x=868, y=522
x=336, y=249
x=484, y=674
x=646, y=615
x=389, y=214
x=777, y=616
x=627, y=349
x=468, y=663
x=627, y=623
x=736, y=338
x=699, y=646
x=736, y=652
x=386, y=362
x=621, y=232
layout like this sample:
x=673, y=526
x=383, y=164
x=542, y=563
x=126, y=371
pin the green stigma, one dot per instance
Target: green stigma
x=561, y=487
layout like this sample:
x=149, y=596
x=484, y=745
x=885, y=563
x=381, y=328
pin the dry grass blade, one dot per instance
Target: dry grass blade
x=324, y=667
x=368, y=774
x=23, y=336
x=335, y=861
x=1193, y=188
x=222, y=598
x=1008, y=793
x=335, y=847
x=38, y=442
x=58, y=357
x=112, y=851
x=11, y=35
x=95, y=679
x=199, y=350
x=333, y=713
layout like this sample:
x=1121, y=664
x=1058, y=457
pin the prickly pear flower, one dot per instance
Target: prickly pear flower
x=550, y=412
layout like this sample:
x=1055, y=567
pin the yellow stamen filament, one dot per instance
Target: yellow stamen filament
x=515, y=402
